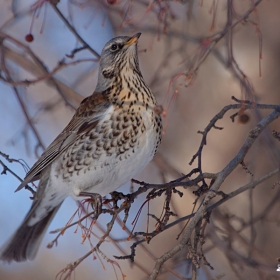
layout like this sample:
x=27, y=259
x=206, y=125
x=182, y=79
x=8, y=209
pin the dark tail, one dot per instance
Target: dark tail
x=24, y=244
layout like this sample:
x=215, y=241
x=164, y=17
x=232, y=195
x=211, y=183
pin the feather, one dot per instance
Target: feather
x=87, y=116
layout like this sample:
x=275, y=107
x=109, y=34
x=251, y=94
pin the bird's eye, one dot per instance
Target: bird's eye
x=114, y=47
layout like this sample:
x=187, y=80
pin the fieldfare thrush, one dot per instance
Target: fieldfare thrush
x=113, y=135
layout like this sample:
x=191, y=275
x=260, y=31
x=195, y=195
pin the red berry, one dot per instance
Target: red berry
x=111, y=2
x=29, y=38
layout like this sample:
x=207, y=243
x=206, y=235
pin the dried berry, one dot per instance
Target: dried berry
x=111, y=2
x=29, y=38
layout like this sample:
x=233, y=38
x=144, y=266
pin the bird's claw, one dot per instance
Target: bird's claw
x=96, y=202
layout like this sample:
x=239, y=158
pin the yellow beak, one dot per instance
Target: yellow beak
x=133, y=39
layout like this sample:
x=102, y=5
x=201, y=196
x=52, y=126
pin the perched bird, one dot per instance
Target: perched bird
x=112, y=136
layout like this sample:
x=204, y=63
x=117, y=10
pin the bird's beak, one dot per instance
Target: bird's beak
x=133, y=39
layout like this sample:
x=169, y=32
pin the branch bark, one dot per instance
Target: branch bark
x=221, y=176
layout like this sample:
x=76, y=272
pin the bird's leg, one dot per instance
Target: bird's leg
x=96, y=202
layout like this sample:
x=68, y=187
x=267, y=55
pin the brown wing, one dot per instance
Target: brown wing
x=87, y=116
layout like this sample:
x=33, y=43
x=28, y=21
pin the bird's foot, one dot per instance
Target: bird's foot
x=96, y=202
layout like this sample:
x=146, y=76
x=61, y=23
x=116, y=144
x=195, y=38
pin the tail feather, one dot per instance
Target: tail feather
x=24, y=244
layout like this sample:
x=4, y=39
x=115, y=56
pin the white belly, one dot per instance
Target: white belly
x=108, y=173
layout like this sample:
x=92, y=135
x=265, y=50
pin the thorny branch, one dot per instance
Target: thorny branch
x=158, y=190
x=253, y=135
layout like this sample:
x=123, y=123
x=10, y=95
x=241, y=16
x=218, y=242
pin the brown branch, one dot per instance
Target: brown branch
x=61, y=65
x=7, y=169
x=73, y=30
x=22, y=105
x=71, y=267
x=37, y=68
x=253, y=135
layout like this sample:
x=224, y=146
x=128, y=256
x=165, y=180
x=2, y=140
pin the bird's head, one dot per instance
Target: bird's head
x=119, y=54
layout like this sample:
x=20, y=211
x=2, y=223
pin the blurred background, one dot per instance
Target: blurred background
x=194, y=62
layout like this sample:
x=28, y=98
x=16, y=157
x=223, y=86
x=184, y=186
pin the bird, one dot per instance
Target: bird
x=112, y=136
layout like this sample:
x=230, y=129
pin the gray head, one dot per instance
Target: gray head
x=119, y=54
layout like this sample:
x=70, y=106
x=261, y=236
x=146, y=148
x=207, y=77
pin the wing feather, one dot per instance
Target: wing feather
x=87, y=116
